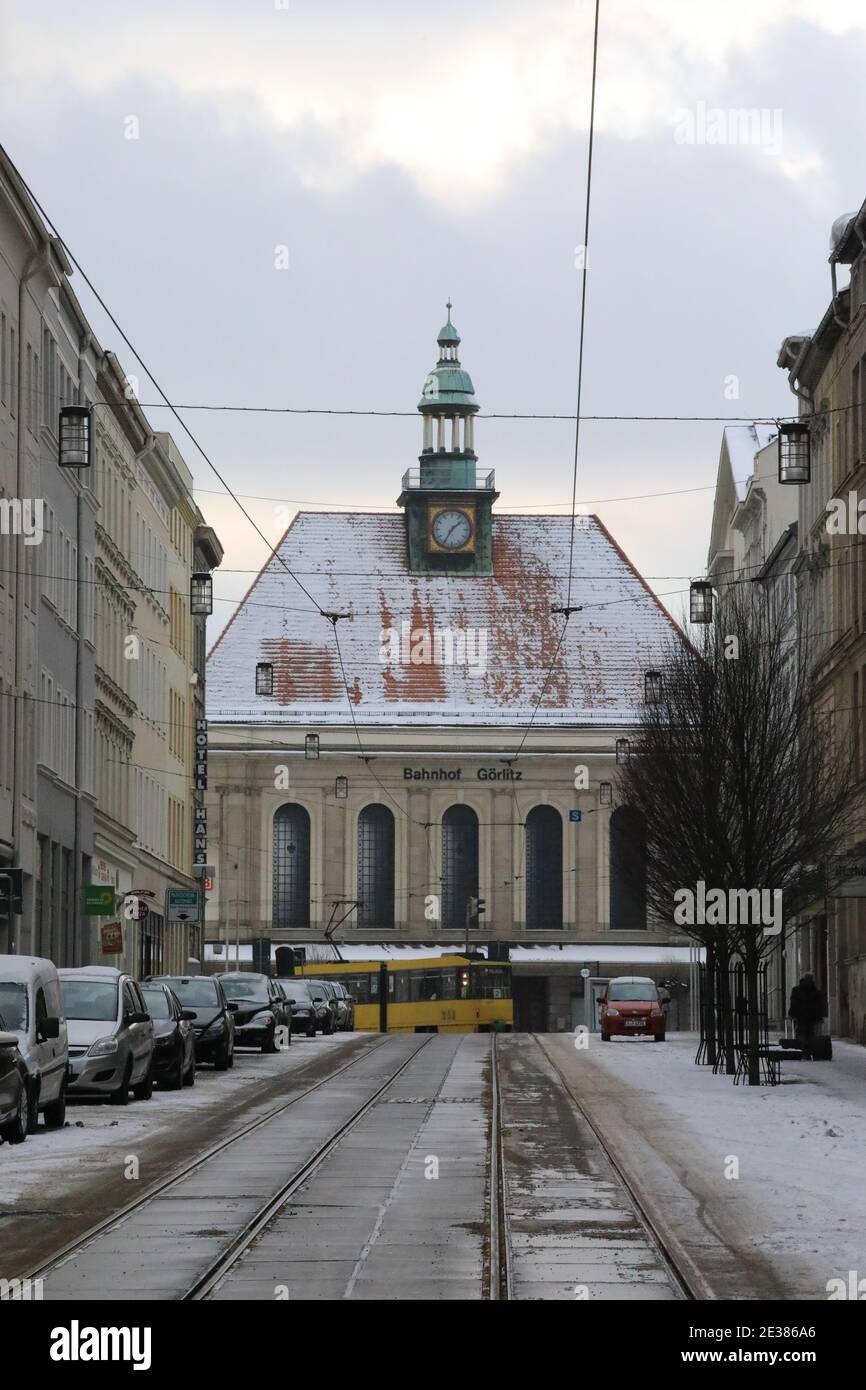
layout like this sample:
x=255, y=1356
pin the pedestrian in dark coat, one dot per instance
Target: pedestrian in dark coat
x=807, y=1008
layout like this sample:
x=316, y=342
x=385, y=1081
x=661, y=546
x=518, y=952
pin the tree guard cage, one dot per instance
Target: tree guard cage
x=734, y=1034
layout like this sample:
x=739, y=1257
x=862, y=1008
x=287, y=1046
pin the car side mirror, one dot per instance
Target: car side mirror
x=8, y=1040
x=48, y=1028
x=137, y=1017
x=187, y=1014
x=231, y=1006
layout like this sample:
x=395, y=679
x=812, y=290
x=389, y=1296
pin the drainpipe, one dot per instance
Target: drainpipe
x=37, y=260
x=77, y=877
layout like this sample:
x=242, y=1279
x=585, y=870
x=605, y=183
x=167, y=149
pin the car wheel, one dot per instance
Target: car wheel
x=270, y=1042
x=659, y=1037
x=55, y=1113
x=222, y=1059
x=311, y=1030
x=32, y=1108
x=16, y=1131
x=605, y=1037
x=174, y=1080
x=231, y=1058
x=121, y=1095
x=144, y=1089
x=189, y=1076
x=328, y=1028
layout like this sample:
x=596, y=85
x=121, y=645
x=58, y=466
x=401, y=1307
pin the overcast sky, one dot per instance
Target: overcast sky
x=402, y=152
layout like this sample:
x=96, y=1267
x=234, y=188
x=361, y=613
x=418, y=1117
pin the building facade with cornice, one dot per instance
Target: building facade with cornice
x=439, y=731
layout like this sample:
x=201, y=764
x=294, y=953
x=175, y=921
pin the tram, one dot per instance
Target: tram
x=442, y=994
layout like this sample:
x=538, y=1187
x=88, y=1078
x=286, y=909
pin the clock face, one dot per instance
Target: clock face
x=452, y=529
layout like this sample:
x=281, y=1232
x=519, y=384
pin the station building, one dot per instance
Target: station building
x=435, y=759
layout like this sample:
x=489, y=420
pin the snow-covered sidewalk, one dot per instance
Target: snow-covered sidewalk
x=761, y=1189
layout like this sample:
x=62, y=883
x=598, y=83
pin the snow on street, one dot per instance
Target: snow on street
x=795, y=1217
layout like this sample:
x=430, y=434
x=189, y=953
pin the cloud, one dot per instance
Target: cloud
x=454, y=98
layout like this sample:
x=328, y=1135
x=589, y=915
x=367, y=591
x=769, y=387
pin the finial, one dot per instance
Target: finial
x=448, y=307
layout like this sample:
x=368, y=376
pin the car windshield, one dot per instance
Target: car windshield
x=246, y=989
x=156, y=1002
x=638, y=991
x=13, y=1005
x=196, y=994
x=91, y=999
x=296, y=991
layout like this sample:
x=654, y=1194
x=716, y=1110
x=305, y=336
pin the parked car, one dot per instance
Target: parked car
x=173, y=1037
x=304, y=1015
x=213, y=1017
x=326, y=1004
x=345, y=1006
x=14, y=1101
x=261, y=1009
x=110, y=1034
x=31, y=1003
x=631, y=1005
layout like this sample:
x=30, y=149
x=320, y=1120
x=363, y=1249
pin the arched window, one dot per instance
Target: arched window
x=375, y=867
x=291, y=866
x=627, y=869
x=459, y=865
x=543, y=868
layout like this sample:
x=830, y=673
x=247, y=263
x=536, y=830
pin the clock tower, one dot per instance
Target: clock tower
x=448, y=499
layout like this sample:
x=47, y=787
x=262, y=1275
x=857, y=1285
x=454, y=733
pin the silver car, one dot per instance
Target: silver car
x=110, y=1034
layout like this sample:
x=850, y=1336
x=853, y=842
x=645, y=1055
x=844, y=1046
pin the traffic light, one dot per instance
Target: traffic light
x=480, y=907
x=11, y=892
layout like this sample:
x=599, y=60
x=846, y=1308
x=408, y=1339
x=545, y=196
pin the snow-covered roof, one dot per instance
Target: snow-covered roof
x=356, y=563
x=744, y=441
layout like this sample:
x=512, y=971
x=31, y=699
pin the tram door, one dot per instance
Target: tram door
x=529, y=994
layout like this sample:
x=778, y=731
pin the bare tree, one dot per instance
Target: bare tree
x=744, y=781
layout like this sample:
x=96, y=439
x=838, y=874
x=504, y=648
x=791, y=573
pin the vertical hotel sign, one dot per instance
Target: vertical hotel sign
x=200, y=841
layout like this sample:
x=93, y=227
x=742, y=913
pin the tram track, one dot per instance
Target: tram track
x=679, y=1279
x=500, y=1272
x=237, y=1244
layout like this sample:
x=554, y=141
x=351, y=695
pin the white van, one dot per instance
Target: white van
x=32, y=1006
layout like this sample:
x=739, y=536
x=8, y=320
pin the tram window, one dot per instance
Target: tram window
x=358, y=986
x=448, y=980
x=398, y=986
x=491, y=982
x=374, y=986
x=425, y=984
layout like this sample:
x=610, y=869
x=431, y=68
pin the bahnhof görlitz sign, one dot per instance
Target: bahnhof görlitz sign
x=455, y=774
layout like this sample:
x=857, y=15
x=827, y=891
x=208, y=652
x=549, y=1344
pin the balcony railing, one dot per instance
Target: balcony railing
x=468, y=479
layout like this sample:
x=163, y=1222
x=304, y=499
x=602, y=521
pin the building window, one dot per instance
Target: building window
x=543, y=868
x=459, y=865
x=291, y=866
x=627, y=870
x=375, y=867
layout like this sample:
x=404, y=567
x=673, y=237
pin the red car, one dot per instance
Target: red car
x=632, y=1005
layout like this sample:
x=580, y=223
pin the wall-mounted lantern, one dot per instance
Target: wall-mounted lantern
x=311, y=746
x=652, y=687
x=605, y=794
x=341, y=788
x=264, y=678
x=795, y=453
x=74, y=436
x=201, y=595
x=622, y=750
x=701, y=601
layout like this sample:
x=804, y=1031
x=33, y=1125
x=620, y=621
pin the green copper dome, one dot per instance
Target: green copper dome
x=448, y=387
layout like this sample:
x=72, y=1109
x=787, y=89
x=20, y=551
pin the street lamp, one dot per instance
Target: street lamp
x=201, y=595
x=795, y=454
x=652, y=687
x=701, y=601
x=622, y=750
x=264, y=678
x=311, y=746
x=74, y=437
